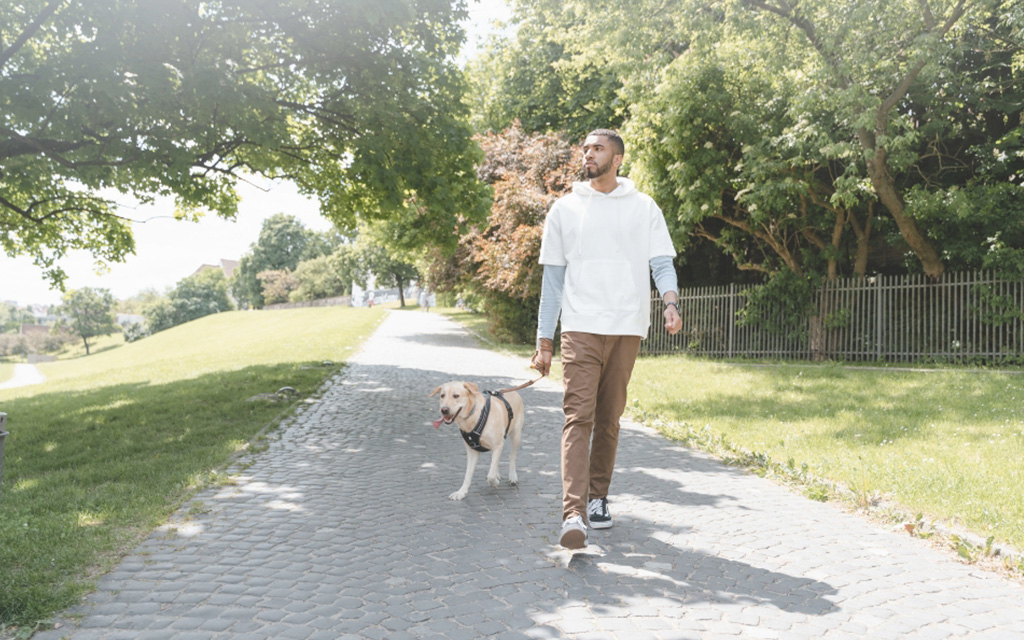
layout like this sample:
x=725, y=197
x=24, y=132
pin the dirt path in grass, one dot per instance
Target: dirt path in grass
x=24, y=375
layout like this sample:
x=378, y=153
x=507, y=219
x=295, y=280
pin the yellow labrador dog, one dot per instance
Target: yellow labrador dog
x=484, y=419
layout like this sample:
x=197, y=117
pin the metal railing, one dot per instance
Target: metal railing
x=972, y=316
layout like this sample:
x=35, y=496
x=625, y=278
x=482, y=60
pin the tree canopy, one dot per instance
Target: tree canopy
x=193, y=297
x=530, y=78
x=378, y=254
x=497, y=261
x=89, y=313
x=358, y=102
x=12, y=317
x=815, y=136
x=282, y=244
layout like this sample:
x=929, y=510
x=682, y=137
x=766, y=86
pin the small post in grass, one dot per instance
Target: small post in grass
x=3, y=434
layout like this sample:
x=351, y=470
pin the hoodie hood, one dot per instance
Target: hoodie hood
x=625, y=188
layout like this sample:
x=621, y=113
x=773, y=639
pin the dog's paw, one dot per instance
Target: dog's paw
x=458, y=495
x=494, y=481
x=513, y=478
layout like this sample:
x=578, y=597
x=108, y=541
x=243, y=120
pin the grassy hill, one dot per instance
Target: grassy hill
x=111, y=444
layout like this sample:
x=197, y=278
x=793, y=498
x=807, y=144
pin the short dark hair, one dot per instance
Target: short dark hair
x=613, y=136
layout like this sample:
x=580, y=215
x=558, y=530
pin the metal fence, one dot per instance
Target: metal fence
x=340, y=301
x=963, y=317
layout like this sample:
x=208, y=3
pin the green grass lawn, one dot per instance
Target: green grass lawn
x=6, y=371
x=945, y=444
x=111, y=444
x=99, y=344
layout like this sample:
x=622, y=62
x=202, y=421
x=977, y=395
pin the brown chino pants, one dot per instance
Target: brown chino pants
x=596, y=370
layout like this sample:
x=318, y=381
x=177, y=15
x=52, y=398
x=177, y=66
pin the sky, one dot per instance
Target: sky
x=167, y=250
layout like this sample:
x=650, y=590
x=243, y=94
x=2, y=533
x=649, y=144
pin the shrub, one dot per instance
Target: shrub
x=135, y=331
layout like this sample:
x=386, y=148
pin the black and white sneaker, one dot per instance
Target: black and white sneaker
x=598, y=514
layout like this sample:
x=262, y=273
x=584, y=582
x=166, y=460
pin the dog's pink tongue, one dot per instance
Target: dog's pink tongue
x=437, y=423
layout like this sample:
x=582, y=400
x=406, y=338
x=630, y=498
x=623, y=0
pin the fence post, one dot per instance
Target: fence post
x=3, y=436
x=879, y=279
x=731, y=320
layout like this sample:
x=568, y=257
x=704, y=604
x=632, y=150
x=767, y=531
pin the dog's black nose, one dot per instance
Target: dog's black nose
x=445, y=411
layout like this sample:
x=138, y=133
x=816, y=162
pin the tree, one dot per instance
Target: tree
x=528, y=173
x=12, y=317
x=201, y=294
x=906, y=42
x=14, y=344
x=89, y=313
x=283, y=243
x=358, y=102
x=135, y=304
x=194, y=297
x=160, y=315
x=276, y=285
x=378, y=256
x=498, y=261
x=736, y=175
x=532, y=79
x=325, y=277
x=830, y=129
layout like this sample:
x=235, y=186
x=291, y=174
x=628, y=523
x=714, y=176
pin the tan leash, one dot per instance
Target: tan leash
x=525, y=384
x=522, y=386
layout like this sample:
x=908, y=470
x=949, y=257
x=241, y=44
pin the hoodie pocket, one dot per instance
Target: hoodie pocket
x=596, y=286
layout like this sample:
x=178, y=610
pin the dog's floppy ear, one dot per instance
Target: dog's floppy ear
x=434, y=392
x=470, y=397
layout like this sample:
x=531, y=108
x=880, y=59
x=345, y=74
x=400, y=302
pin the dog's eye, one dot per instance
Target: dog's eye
x=455, y=395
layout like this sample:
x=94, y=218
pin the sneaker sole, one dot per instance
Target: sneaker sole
x=600, y=525
x=573, y=539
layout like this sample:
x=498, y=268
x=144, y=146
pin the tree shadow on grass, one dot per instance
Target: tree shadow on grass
x=85, y=471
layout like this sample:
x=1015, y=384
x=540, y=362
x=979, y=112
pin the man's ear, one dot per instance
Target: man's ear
x=434, y=392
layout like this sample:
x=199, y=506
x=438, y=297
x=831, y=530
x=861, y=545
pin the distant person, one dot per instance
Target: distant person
x=600, y=245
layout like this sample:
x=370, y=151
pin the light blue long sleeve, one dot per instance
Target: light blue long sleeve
x=664, y=274
x=554, y=284
x=550, y=301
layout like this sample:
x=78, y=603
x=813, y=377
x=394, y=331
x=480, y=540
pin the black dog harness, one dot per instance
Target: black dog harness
x=472, y=438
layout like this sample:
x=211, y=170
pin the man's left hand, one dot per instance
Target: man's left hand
x=673, y=323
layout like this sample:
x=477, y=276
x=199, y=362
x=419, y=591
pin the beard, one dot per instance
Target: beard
x=596, y=171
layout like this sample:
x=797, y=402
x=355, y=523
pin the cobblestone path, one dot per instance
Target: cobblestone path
x=342, y=529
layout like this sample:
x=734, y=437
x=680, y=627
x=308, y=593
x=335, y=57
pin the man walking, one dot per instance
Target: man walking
x=600, y=245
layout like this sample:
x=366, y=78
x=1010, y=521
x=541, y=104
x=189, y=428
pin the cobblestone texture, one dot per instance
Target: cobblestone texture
x=342, y=529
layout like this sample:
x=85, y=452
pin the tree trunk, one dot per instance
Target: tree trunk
x=860, y=265
x=817, y=337
x=401, y=291
x=86, y=342
x=837, y=236
x=885, y=189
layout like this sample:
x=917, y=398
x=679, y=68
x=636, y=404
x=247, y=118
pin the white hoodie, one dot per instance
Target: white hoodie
x=606, y=242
